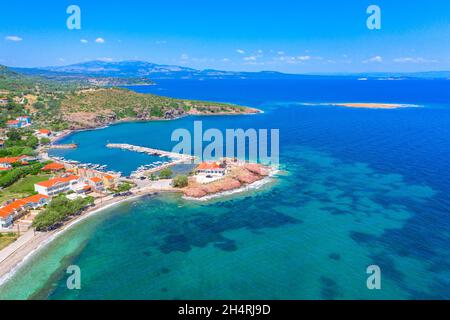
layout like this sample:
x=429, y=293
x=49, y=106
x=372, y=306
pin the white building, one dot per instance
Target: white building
x=56, y=186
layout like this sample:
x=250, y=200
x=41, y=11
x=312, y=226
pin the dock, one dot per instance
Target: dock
x=63, y=146
x=176, y=158
x=150, y=151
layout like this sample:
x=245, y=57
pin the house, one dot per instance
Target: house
x=3, y=101
x=17, y=208
x=109, y=181
x=56, y=186
x=13, y=124
x=25, y=120
x=54, y=166
x=19, y=122
x=96, y=183
x=2, y=143
x=5, y=166
x=43, y=133
x=7, y=162
x=34, y=202
x=211, y=168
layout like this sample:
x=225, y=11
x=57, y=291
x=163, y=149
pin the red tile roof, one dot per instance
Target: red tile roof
x=19, y=204
x=50, y=183
x=53, y=167
x=209, y=166
x=96, y=179
x=10, y=160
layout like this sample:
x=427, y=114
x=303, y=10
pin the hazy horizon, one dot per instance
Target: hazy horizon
x=324, y=37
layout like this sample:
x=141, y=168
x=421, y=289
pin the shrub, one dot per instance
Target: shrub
x=165, y=173
x=180, y=181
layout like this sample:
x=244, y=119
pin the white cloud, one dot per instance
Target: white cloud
x=240, y=51
x=61, y=59
x=84, y=41
x=100, y=40
x=13, y=38
x=225, y=60
x=161, y=42
x=281, y=53
x=295, y=59
x=184, y=56
x=413, y=60
x=377, y=59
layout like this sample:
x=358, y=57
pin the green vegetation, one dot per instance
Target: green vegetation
x=11, y=176
x=165, y=173
x=22, y=188
x=59, y=210
x=105, y=105
x=6, y=239
x=45, y=141
x=16, y=151
x=180, y=181
x=21, y=138
x=124, y=187
x=59, y=102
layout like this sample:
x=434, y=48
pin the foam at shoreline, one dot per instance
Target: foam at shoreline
x=10, y=274
x=253, y=186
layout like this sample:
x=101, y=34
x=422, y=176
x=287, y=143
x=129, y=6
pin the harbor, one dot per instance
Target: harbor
x=145, y=170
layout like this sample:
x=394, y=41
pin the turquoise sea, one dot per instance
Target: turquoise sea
x=359, y=187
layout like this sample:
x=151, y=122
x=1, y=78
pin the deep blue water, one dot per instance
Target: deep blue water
x=361, y=187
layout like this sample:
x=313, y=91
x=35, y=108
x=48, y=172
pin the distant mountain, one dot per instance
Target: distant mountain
x=142, y=69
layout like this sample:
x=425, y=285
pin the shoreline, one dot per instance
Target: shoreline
x=34, y=242
x=245, y=188
x=364, y=105
x=17, y=254
x=15, y=260
x=126, y=120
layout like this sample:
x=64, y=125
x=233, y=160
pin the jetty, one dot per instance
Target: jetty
x=150, y=151
x=176, y=158
x=63, y=146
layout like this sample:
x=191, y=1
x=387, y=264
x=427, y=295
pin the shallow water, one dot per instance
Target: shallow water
x=361, y=187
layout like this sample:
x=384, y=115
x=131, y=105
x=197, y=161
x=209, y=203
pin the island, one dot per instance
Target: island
x=373, y=105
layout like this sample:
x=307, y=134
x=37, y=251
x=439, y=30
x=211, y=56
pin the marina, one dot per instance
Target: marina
x=175, y=158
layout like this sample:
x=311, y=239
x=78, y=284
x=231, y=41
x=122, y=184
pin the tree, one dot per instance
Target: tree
x=13, y=135
x=124, y=187
x=165, y=173
x=45, y=141
x=180, y=181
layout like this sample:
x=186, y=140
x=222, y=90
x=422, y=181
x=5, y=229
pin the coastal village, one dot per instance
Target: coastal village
x=74, y=180
x=42, y=194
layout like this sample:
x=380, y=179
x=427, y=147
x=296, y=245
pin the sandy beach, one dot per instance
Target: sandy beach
x=17, y=253
x=374, y=105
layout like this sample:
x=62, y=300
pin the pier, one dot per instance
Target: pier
x=177, y=158
x=63, y=146
x=150, y=151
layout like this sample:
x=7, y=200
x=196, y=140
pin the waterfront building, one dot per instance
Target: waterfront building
x=56, y=186
x=17, y=208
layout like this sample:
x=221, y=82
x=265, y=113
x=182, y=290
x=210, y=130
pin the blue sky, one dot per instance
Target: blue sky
x=320, y=36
